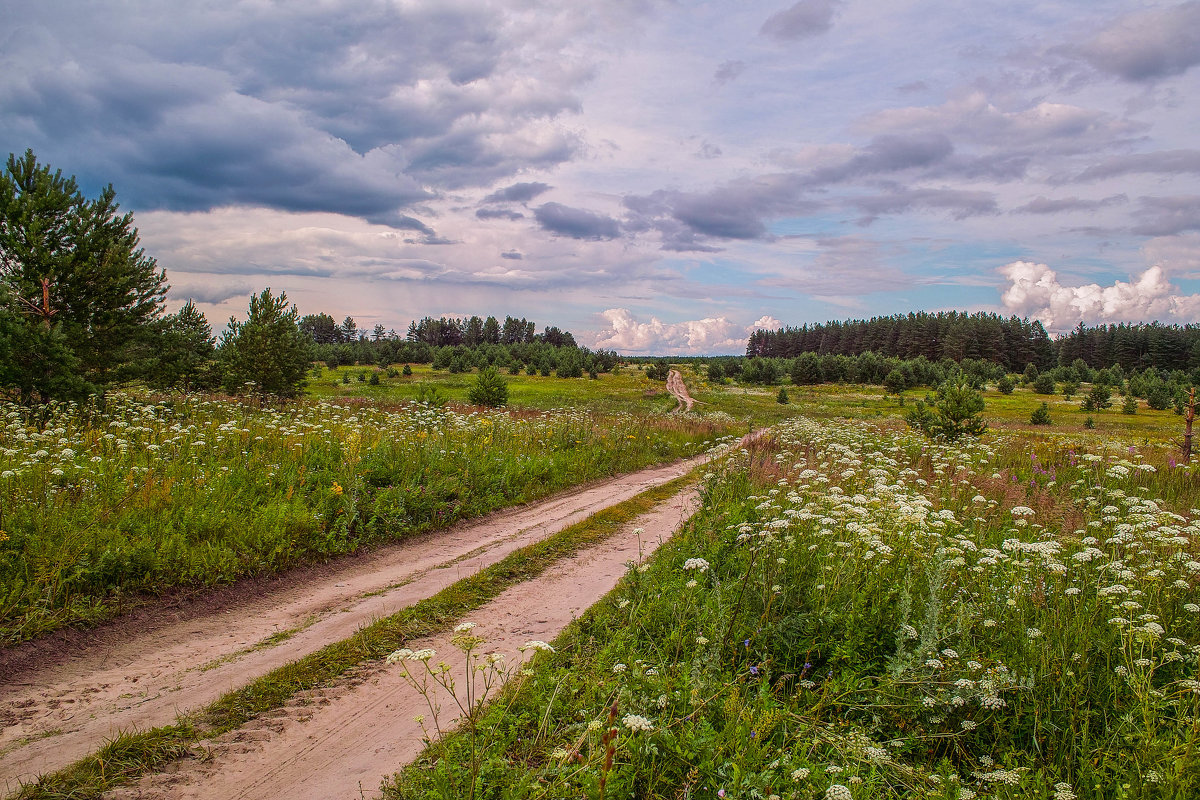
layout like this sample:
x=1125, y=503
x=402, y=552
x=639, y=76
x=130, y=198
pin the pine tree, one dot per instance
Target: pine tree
x=489, y=389
x=74, y=270
x=268, y=353
x=186, y=352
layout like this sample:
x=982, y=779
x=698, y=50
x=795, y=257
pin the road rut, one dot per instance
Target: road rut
x=339, y=743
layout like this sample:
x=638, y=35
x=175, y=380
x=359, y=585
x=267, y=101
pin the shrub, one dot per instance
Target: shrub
x=1044, y=383
x=406, y=371
x=955, y=413
x=782, y=397
x=1005, y=385
x=1041, y=416
x=489, y=389
x=1098, y=399
x=1130, y=405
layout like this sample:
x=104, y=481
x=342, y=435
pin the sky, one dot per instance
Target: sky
x=655, y=176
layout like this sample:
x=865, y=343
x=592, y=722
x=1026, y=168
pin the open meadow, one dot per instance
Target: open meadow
x=856, y=612
x=99, y=507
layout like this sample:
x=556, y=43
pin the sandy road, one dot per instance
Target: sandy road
x=57, y=710
x=339, y=743
x=678, y=388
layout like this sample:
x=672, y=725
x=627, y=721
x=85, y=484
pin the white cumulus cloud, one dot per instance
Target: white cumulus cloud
x=1034, y=291
x=713, y=335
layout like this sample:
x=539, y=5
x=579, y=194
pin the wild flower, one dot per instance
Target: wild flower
x=697, y=564
x=637, y=723
x=537, y=645
x=838, y=792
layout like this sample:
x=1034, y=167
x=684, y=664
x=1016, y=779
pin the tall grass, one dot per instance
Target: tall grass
x=100, y=506
x=858, y=613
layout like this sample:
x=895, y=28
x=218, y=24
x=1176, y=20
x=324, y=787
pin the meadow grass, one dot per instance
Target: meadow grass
x=99, y=507
x=859, y=613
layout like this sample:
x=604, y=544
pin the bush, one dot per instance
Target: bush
x=1069, y=389
x=1159, y=396
x=1089, y=423
x=406, y=371
x=1098, y=399
x=895, y=382
x=955, y=413
x=1044, y=383
x=489, y=389
x=1041, y=416
x=1005, y=385
x=782, y=397
x=1130, y=405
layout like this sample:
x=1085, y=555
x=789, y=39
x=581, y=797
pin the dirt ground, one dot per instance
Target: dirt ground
x=342, y=741
x=678, y=388
x=63, y=697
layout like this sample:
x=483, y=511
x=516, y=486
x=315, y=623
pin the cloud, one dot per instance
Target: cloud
x=576, y=222
x=736, y=210
x=512, y=255
x=766, y=323
x=1146, y=45
x=1042, y=128
x=889, y=153
x=517, y=193
x=728, y=71
x=498, y=213
x=709, y=336
x=1163, y=216
x=961, y=203
x=1046, y=205
x=357, y=109
x=803, y=20
x=1170, y=162
x=1034, y=291
x=209, y=293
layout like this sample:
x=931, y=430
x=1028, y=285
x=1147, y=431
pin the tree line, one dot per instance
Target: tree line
x=1012, y=342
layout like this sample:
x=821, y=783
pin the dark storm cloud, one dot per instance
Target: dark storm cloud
x=517, y=193
x=348, y=108
x=1146, y=45
x=1045, y=205
x=498, y=213
x=804, y=19
x=1170, y=162
x=576, y=222
x=1166, y=216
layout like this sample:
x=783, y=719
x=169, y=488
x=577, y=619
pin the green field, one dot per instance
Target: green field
x=102, y=508
x=857, y=612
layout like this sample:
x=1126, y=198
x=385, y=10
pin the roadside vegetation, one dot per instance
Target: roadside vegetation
x=101, y=506
x=857, y=612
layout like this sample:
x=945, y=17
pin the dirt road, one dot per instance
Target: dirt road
x=678, y=388
x=55, y=709
x=341, y=742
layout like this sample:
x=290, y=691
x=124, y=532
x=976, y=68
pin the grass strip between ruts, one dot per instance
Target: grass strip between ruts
x=133, y=754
